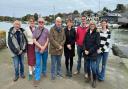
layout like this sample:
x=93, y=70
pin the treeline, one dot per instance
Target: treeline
x=120, y=8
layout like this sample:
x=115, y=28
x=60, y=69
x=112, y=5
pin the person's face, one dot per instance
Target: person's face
x=92, y=26
x=104, y=24
x=83, y=19
x=69, y=24
x=41, y=23
x=58, y=23
x=17, y=25
x=32, y=23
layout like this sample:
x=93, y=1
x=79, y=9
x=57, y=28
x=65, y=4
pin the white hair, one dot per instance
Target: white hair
x=41, y=19
x=58, y=18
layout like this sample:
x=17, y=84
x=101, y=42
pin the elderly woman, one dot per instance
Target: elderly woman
x=90, y=46
x=41, y=40
x=17, y=45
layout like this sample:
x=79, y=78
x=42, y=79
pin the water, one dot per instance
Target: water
x=119, y=36
x=6, y=26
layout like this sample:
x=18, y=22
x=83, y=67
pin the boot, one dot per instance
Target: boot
x=94, y=81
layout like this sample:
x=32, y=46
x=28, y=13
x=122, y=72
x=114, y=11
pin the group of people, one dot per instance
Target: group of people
x=38, y=42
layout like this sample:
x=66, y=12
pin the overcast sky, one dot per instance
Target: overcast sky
x=20, y=8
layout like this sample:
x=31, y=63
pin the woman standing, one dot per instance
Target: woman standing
x=30, y=47
x=103, y=51
x=90, y=47
x=69, y=46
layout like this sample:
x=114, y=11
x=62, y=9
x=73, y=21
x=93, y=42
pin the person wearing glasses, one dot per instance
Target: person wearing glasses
x=41, y=40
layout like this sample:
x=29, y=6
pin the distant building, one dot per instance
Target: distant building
x=111, y=17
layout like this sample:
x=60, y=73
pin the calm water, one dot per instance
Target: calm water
x=5, y=26
x=119, y=36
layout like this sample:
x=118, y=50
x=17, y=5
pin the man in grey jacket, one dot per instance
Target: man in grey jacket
x=17, y=42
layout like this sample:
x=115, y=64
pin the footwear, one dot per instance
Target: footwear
x=75, y=73
x=94, y=84
x=22, y=76
x=15, y=79
x=60, y=76
x=29, y=77
x=67, y=73
x=52, y=77
x=36, y=83
x=86, y=76
x=100, y=80
x=70, y=74
x=88, y=80
x=44, y=75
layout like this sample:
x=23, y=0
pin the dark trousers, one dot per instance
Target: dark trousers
x=68, y=59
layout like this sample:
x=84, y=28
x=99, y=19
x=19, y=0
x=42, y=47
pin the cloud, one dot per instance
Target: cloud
x=46, y=7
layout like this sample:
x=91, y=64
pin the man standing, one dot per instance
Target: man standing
x=57, y=40
x=80, y=34
x=17, y=42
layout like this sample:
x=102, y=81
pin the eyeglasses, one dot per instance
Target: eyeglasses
x=40, y=22
x=32, y=21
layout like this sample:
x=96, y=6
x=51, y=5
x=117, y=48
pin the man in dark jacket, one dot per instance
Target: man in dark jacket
x=16, y=42
x=90, y=47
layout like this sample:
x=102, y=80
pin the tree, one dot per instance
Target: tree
x=105, y=9
x=75, y=12
x=36, y=16
x=120, y=8
x=60, y=15
x=26, y=18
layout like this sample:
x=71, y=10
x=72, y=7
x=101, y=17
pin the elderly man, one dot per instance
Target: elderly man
x=41, y=39
x=57, y=40
x=16, y=42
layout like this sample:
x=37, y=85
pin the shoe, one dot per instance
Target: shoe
x=75, y=73
x=94, y=84
x=88, y=80
x=15, y=79
x=22, y=76
x=29, y=77
x=70, y=74
x=100, y=80
x=86, y=76
x=36, y=83
x=52, y=77
x=60, y=76
x=44, y=75
x=67, y=73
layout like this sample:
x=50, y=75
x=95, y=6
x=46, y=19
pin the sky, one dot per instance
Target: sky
x=19, y=8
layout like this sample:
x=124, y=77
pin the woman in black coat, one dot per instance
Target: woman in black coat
x=69, y=46
x=90, y=47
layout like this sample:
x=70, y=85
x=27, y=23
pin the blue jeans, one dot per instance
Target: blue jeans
x=80, y=55
x=44, y=57
x=101, y=73
x=91, y=66
x=18, y=62
x=56, y=65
